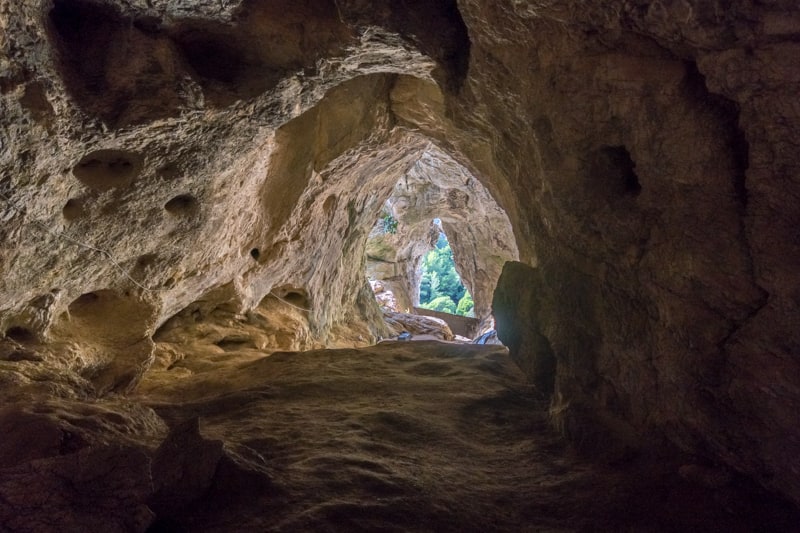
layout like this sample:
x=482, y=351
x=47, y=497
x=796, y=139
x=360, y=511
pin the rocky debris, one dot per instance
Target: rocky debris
x=418, y=325
x=385, y=297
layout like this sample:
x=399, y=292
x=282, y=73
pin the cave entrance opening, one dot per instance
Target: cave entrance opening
x=421, y=265
x=440, y=287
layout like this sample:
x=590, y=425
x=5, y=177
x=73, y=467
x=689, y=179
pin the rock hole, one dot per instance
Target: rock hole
x=114, y=68
x=255, y=253
x=169, y=171
x=212, y=57
x=24, y=355
x=456, y=53
x=144, y=266
x=613, y=169
x=146, y=260
x=72, y=210
x=232, y=343
x=182, y=205
x=440, y=32
x=104, y=170
x=20, y=334
x=292, y=295
x=83, y=300
x=106, y=317
x=83, y=33
x=329, y=204
x=295, y=297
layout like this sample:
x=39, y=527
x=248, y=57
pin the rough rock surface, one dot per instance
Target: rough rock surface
x=419, y=326
x=420, y=436
x=160, y=157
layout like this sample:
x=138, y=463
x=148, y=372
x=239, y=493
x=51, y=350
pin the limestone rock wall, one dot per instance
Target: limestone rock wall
x=156, y=156
x=154, y=203
x=656, y=209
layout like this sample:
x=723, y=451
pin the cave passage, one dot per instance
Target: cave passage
x=439, y=287
x=218, y=234
x=439, y=244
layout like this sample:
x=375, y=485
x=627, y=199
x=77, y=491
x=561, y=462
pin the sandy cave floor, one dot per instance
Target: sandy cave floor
x=421, y=436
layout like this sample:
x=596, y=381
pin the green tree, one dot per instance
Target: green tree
x=443, y=304
x=465, y=305
x=425, y=289
x=389, y=222
x=439, y=277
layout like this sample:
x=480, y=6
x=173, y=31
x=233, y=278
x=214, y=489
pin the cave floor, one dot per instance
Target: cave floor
x=422, y=436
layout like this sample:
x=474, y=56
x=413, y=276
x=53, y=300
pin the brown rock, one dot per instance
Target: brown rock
x=417, y=325
x=96, y=489
x=183, y=468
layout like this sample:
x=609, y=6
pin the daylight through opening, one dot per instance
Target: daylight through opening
x=444, y=267
x=440, y=287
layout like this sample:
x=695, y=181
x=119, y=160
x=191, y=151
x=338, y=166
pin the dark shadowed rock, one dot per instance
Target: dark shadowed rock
x=183, y=468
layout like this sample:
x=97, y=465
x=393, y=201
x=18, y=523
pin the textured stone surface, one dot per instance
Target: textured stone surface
x=96, y=489
x=424, y=436
x=162, y=157
x=419, y=326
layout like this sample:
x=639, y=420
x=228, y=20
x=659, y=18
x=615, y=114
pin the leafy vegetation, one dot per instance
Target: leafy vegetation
x=389, y=222
x=465, y=305
x=440, y=288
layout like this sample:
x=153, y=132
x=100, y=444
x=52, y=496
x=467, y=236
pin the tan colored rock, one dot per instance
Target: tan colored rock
x=418, y=326
x=159, y=156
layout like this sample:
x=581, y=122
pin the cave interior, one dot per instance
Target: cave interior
x=191, y=339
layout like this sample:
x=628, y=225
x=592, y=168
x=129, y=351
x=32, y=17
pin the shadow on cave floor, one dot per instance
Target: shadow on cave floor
x=421, y=436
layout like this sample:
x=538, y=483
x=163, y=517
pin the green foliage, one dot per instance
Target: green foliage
x=425, y=289
x=443, y=304
x=389, y=222
x=440, y=280
x=465, y=305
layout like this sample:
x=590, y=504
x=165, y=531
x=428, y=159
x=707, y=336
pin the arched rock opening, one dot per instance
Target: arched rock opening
x=480, y=234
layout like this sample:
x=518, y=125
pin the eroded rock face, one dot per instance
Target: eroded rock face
x=157, y=157
x=656, y=273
